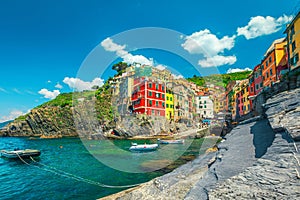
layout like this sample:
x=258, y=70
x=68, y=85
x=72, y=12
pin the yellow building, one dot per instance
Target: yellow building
x=246, y=101
x=293, y=42
x=169, y=104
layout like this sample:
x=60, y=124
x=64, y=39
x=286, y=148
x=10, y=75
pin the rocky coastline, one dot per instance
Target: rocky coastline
x=259, y=159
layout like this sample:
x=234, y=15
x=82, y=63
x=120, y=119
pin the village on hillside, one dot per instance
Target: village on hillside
x=143, y=89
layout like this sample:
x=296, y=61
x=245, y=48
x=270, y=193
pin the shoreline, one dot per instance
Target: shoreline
x=213, y=175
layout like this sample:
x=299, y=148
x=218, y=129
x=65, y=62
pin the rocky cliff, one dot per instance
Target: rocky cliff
x=259, y=159
x=88, y=114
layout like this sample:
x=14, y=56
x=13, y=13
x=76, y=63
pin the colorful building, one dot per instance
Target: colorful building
x=148, y=97
x=272, y=58
x=246, y=100
x=169, y=104
x=204, y=107
x=258, y=80
x=293, y=42
x=251, y=90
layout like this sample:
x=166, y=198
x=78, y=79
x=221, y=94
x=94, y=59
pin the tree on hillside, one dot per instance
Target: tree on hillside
x=120, y=67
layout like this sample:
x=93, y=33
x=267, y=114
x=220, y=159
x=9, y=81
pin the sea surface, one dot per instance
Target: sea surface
x=67, y=170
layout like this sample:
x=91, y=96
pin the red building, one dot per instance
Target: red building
x=148, y=97
x=258, y=80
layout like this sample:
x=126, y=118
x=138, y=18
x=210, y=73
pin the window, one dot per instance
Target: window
x=167, y=105
x=163, y=88
x=295, y=59
x=163, y=96
x=267, y=63
x=156, y=86
x=152, y=112
x=171, y=99
x=293, y=46
x=157, y=95
x=261, y=84
x=167, y=98
x=150, y=102
x=204, y=106
x=248, y=106
x=251, y=89
x=158, y=113
x=292, y=30
x=256, y=86
x=200, y=107
x=156, y=103
x=150, y=85
x=262, y=66
x=271, y=72
x=270, y=59
x=150, y=94
x=267, y=75
x=200, y=102
x=163, y=104
x=204, y=102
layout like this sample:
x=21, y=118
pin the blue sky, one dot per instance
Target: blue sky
x=43, y=42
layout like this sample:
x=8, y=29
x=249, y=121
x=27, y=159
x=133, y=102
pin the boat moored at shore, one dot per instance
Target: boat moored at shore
x=143, y=147
x=170, y=141
x=26, y=153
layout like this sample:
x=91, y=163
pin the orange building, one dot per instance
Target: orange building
x=272, y=58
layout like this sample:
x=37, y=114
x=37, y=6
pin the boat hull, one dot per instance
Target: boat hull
x=20, y=153
x=144, y=148
x=171, y=141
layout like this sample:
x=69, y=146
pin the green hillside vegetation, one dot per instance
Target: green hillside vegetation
x=219, y=79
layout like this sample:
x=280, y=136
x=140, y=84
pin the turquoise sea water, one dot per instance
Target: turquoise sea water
x=44, y=180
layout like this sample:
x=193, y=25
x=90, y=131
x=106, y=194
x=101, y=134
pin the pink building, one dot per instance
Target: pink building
x=240, y=103
x=258, y=80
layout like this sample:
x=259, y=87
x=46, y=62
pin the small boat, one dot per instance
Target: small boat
x=170, y=141
x=26, y=153
x=143, y=147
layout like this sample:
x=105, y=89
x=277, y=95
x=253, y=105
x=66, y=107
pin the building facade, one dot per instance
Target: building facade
x=204, y=107
x=148, y=97
x=258, y=80
x=293, y=42
x=272, y=58
x=169, y=104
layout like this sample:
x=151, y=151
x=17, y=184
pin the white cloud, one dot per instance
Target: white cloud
x=30, y=92
x=161, y=67
x=3, y=90
x=48, y=81
x=49, y=94
x=127, y=57
x=17, y=91
x=59, y=86
x=80, y=85
x=205, y=43
x=259, y=26
x=109, y=45
x=233, y=70
x=211, y=47
x=177, y=76
x=12, y=115
x=217, y=60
